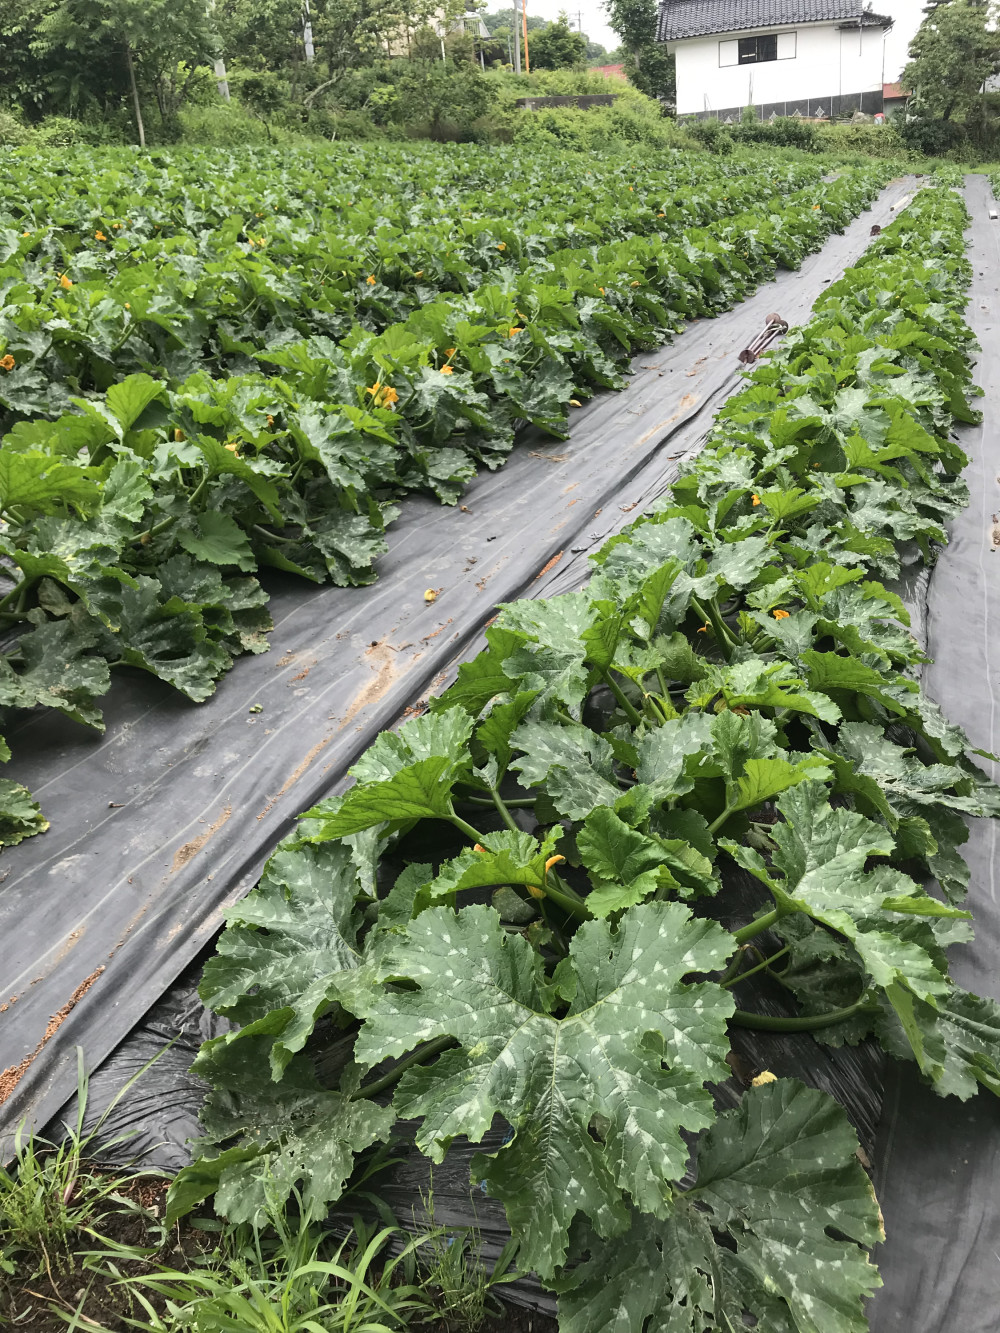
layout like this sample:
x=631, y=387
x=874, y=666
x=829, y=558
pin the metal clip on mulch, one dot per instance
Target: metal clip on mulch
x=774, y=328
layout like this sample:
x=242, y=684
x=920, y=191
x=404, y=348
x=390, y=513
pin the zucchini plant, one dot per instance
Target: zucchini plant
x=518, y=914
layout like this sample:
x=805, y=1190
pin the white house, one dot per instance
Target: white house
x=816, y=58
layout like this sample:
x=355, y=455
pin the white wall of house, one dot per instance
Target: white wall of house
x=815, y=60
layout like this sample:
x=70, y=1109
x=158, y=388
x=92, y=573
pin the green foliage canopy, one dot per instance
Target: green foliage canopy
x=951, y=57
x=648, y=64
x=557, y=46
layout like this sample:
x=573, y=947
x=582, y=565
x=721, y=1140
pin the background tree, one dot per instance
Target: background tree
x=460, y=48
x=39, y=78
x=425, y=44
x=504, y=18
x=951, y=57
x=437, y=95
x=264, y=94
x=154, y=39
x=261, y=34
x=557, y=46
x=349, y=33
x=647, y=63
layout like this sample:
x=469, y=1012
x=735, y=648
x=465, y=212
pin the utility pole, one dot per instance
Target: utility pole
x=517, y=41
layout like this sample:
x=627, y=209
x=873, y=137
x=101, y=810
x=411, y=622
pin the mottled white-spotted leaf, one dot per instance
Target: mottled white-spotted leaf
x=403, y=776
x=954, y=1038
x=910, y=783
x=288, y=943
x=633, y=1051
x=775, y=1227
x=575, y=765
x=273, y=1137
x=819, y=867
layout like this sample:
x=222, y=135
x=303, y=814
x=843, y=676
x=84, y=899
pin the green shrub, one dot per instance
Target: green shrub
x=230, y=125
x=59, y=132
x=555, y=83
x=12, y=132
x=866, y=140
x=710, y=134
x=567, y=126
x=599, y=128
x=329, y=124
x=782, y=132
x=632, y=118
x=64, y=132
x=638, y=119
x=933, y=137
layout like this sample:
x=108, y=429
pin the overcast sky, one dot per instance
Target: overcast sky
x=907, y=14
x=591, y=15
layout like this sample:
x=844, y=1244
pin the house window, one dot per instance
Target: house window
x=755, y=50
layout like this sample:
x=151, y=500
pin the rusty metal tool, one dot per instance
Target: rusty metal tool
x=774, y=328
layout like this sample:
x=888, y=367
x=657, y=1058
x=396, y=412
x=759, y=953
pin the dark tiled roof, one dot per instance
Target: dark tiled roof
x=699, y=18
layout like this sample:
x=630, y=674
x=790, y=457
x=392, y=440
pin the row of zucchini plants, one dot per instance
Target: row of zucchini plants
x=110, y=268
x=134, y=525
x=178, y=262
x=522, y=912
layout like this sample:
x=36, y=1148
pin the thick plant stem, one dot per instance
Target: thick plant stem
x=505, y=814
x=731, y=968
x=656, y=708
x=165, y=523
x=628, y=708
x=517, y=803
x=418, y=1057
x=556, y=893
x=155, y=530
x=559, y=891
x=718, y=822
x=737, y=977
x=807, y=1023
x=14, y=593
x=710, y=614
x=757, y=927
x=467, y=829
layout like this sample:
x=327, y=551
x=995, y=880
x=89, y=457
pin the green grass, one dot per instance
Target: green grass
x=52, y=1200
x=88, y=1249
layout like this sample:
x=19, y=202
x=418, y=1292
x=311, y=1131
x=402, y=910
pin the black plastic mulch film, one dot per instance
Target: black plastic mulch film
x=167, y=819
